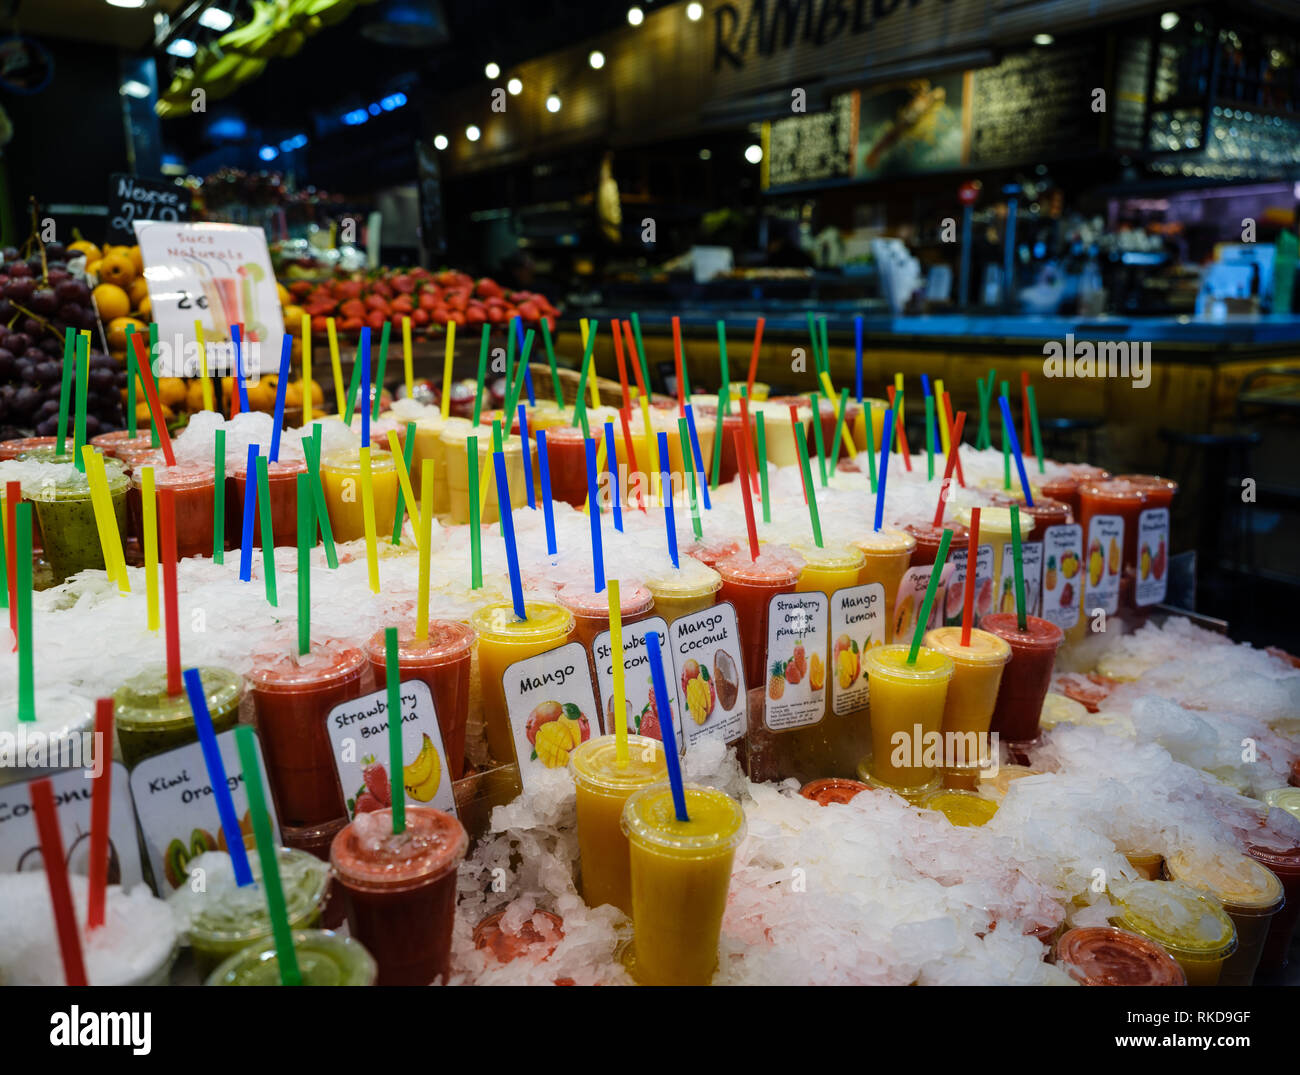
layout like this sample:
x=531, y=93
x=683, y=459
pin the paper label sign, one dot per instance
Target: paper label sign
x=1152, y=557
x=636, y=677
x=358, y=732
x=551, y=706
x=796, y=660
x=178, y=811
x=955, y=591
x=131, y=199
x=1031, y=564
x=857, y=625
x=911, y=598
x=709, y=673
x=1062, y=579
x=1104, y=546
x=20, y=846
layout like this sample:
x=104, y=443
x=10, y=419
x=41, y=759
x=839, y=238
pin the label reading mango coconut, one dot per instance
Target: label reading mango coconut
x=796, y=660
x=641, y=709
x=1152, y=556
x=911, y=598
x=1031, y=564
x=551, y=706
x=857, y=625
x=955, y=591
x=710, y=675
x=1103, y=558
x=1062, y=577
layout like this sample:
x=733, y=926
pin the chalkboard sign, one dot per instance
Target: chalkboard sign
x=811, y=148
x=131, y=198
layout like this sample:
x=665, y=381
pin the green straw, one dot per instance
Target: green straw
x=383, y=365
x=497, y=447
x=813, y=517
x=923, y=617
x=395, y=728
x=1006, y=447
x=550, y=360
x=929, y=437
x=79, y=425
x=684, y=435
x=266, y=851
x=982, y=434
x=306, y=539
x=817, y=434
x=268, y=536
x=311, y=448
x=354, y=386
x=640, y=351
x=510, y=364
x=475, y=531
x=153, y=355
x=131, y=375
x=826, y=353
x=482, y=372
x=65, y=386
x=812, y=335
x=1020, y=569
x=871, y=442
x=725, y=366
x=219, y=499
x=1038, y=437
x=762, y=467
x=580, y=404
x=717, y=442
x=839, y=428
x=23, y=585
x=515, y=391
x=408, y=455
x=898, y=423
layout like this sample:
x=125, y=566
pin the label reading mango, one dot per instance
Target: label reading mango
x=1152, y=557
x=857, y=625
x=1103, y=556
x=551, y=707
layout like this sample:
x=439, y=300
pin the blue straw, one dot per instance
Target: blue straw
x=665, y=478
x=593, y=510
x=508, y=534
x=528, y=457
x=611, y=464
x=281, y=385
x=239, y=370
x=664, y=706
x=364, y=404
x=548, y=509
x=857, y=340
x=699, y=458
x=217, y=775
x=884, y=469
x=250, y=513
x=1015, y=449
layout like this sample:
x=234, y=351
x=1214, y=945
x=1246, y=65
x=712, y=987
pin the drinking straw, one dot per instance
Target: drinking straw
x=640, y=350
x=281, y=388
x=1015, y=450
x=923, y=617
x=336, y=365
x=796, y=428
x=749, y=466
x=21, y=523
x=724, y=365
x=524, y=347
x=669, y=520
x=1018, y=558
x=839, y=428
x=753, y=356
x=597, y=551
x=683, y=434
x=697, y=456
x=898, y=388
x=311, y=449
x=368, y=517
x=929, y=438
x=101, y=795
x=65, y=384
x=947, y=472
x=131, y=376
x=8, y=505
x=216, y=767
x=1038, y=437
x=250, y=507
x=1007, y=434
x=813, y=515
x=171, y=608
x=748, y=502
x=611, y=461
x=869, y=414
x=365, y=382
x=600, y=469
x=638, y=368
x=101, y=502
x=620, y=689
x=149, y=524
x=266, y=852
x=972, y=558
x=620, y=363
x=241, y=388
x=953, y=434
x=306, y=371
x=155, y=408
x=982, y=434
x=900, y=434
x=383, y=366
x=56, y=875
x=939, y=394
x=651, y=459
x=402, y=459
x=717, y=439
x=680, y=365
x=826, y=357
x=79, y=422
x=482, y=371
x=219, y=498
x=817, y=435
x=663, y=704
x=354, y=382
x=556, y=387
x=528, y=456
x=884, y=470
x=395, y=728
x=762, y=468
x=267, y=534
x=508, y=530
x=548, y=508
x=475, y=528
x=927, y=393
x=857, y=345
x=306, y=539
x=425, y=541
x=115, y=535
x=510, y=361
x=588, y=342
x=157, y=416
x=1024, y=407
x=593, y=389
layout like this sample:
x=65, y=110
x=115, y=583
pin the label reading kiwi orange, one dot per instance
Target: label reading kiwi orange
x=955, y=591
x=796, y=660
x=552, y=708
x=911, y=599
x=710, y=675
x=1063, y=574
x=1103, y=550
x=858, y=623
x=1152, y=556
x=1031, y=564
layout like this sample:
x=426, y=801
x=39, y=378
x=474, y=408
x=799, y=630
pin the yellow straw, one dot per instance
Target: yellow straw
x=149, y=510
x=404, y=476
x=203, y=365
x=340, y=393
x=425, y=530
x=446, y=365
x=101, y=503
x=830, y=394
x=651, y=452
x=620, y=692
x=898, y=387
x=591, y=373
x=123, y=580
x=600, y=469
x=306, y=369
x=943, y=415
x=368, y=511
x=406, y=362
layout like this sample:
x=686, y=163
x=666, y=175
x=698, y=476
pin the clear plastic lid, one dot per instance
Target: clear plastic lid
x=183, y=476
x=964, y=809
x=595, y=764
x=984, y=649
x=831, y=556
x=350, y=462
x=447, y=641
x=281, y=468
x=1181, y=919
x=455, y=436
x=690, y=579
x=497, y=623
x=1287, y=799
x=886, y=540
x=716, y=820
x=633, y=601
x=143, y=699
x=61, y=480
x=1237, y=880
x=1038, y=633
x=833, y=790
x=367, y=854
x=324, y=958
x=536, y=937
x=1113, y=489
x=58, y=713
x=1103, y=955
x=221, y=912
x=891, y=662
x=776, y=565
x=994, y=522
x=326, y=663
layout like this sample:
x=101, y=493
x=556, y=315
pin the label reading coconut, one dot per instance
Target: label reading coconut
x=857, y=625
x=20, y=845
x=955, y=591
x=551, y=707
x=1152, y=556
x=1062, y=558
x=911, y=597
x=358, y=731
x=178, y=809
x=636, y=677
x=710, y=674
x=796, y=660
x=1103, y=557
x=1031, y=563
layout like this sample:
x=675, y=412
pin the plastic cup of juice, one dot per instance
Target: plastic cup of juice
x=19, y=446
x=995, y=530
x=710, y=552
x=1160, y=491
x=69, y=533
x=435, y=448
x=888, y=553
x=566, y=458
x=781, y=448
x=878, y=409
x=976, y=676
x=908, y=700
x=929, y=538
x=1188, y=924
x=1249, y=893
x=1027, y=677
x=749, y=585
x=220, y=918
x=400, y=889
x=964, y=809
x=591, y=609
x=442, y=662
x=64, y=723
x=829, y=568
x=282, y=490
x=1045, y=512
x=504, y=640
x=681, y=872
x=1287, y=799
x=292, y=698
x=1285, y=863
x=324, y=958
x=603, y=787
x=150, y=721
x=121, y=445
x=692, y=587
x=341, y=476
x=193, y=486
x=833, y=789
x=316, y=842
x=1114, y=497
x=457, y=469
x=1103, y=955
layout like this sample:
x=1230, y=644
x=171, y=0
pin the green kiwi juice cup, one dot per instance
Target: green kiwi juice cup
x=66, y=514
x=151, y=721
x=324, y=958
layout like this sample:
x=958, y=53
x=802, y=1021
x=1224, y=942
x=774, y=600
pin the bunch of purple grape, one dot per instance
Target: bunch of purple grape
x=38, y=303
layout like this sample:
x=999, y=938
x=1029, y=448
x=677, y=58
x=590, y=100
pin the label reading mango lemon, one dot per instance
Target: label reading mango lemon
x=551, y=707
x=642, y=713
x=709, y=671
x=1063, y=574
x=1102, y=560
x=857, y=625
x=1152, y=556
x=796, y=660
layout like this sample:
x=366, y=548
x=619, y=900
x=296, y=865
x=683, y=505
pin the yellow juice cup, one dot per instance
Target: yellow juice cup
x=887, y=552
x=1188, y=924
x=963, y=809
x=972, y=694
x=907, y=700
x=454, y=439
x=829, y=568
x=878, y=409
x=681, y=872
x=692, y=587
x=779, y=434
x=428, y=434
x=995, y=530
x=436, y=449
x=603, y=787
x=340, y=475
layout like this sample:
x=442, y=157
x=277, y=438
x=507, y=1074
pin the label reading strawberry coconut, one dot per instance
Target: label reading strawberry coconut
x=1152, y=556
x=710, y=674
x=551, y=706
x=857, y=624
x=1031, y=564
x=358, y=733
x=796, y=660
x=178, y=811
x=911, y=598
x=642, y=713
x=1102, y=560
x=1062, y=558
x=955, y=591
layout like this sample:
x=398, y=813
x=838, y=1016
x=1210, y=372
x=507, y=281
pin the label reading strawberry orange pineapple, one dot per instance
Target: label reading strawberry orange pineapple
x=796, y=660
x=710, y=675
x=857, y=625
x=1152, y=556
x=1102, y=560
x=911, y=598
x=642, y=712
x=955, y=591
x=1031, y=564
x=358, y=731
x=1062, y=574
x=551, y=706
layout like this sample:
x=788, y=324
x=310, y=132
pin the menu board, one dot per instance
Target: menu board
x=131, y=198
x=811, y=148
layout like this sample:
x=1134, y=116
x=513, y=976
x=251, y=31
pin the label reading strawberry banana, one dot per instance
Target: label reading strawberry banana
x=642, y=713
x=911, y=598
x=358, y=732
x=551, y=706
x=1031, y=564
x=1062, y=578
x=710, y=675
x=1152, y=556
x=857, y=625
x=955, y=591
x=796, y=660
x=1103, y=557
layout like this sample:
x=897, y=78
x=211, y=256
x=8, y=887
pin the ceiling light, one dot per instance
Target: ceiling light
x=1043, y=39
x=515, y=87
x=126, y=3
x=132, y=88
x=754, y=153
x=440, y=141
x=268, y=153
x=473, y=133
x=635, y=16
x=182, y=47
x=596, y=59
x=216, y=19
x=492, y=70
x=553, y=102
x=1168, y=20
x=694, y=11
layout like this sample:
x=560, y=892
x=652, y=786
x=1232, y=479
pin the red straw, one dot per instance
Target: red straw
x=972, y=558
x=13, y=494
x=753, y=358
x=798, y=430
x=1026, y=442
x=954, y=439
x=747, y=500
x=902, y=436
x=622, y=367
x=100, y=795
x=677, y=357
x=56, y=873
x=947, y=473
x=633, y=357
x=750, y=467
x=171, y=614
x=631, y=456
x=151, y=392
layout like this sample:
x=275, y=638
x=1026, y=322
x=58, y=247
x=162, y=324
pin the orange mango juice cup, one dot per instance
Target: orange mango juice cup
x=976, y=675
x=340, y=475
x=906, y=700
x=887, y=552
